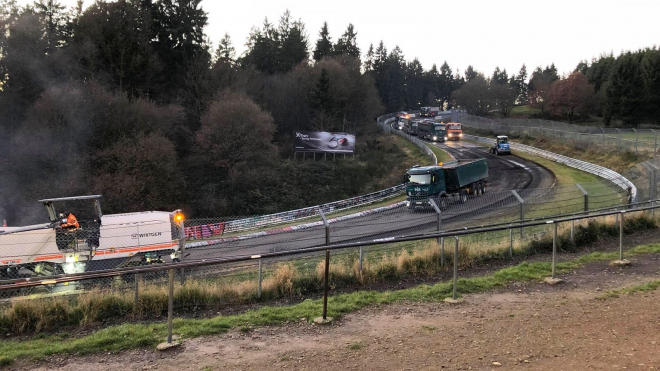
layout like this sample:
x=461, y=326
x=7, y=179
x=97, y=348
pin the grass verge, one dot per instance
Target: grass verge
x=136, y=335
x=441, y=154
x=649, y=286
x=619, y=161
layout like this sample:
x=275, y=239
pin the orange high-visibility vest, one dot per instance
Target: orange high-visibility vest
x=71, y=221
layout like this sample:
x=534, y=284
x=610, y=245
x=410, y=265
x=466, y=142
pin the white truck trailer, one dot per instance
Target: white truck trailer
x=99, y=242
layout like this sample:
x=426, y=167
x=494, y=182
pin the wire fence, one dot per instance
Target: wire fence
x=386, y=222
x=214, y=283
x=620, y=139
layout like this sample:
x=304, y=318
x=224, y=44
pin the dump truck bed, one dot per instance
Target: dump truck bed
x=462, y=173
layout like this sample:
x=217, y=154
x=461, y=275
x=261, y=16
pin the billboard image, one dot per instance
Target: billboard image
x=321, y=141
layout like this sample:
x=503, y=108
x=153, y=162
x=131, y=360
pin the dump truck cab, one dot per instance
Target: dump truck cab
x=445, y=183
x=432, y=131
x=454, y=131
x=424, y=181
x=501, y=146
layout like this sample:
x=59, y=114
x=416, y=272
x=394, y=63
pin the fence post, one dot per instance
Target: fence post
x=510, y=241
x=170, y=307
x=260, y=279
x=573, y=231
x=621, y=237
x=554, y=248
x=616, y=220
x=439, y=228
x=636, y=139
x=655, y=144
x=136, y=300
x=327, y=267
x=654, y=187
x=522, y=210
x=603, y=130
x=455, y=268
x=586, y=196
x=619, y=141
x=182, y=246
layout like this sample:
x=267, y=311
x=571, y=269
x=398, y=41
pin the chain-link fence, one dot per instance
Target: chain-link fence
x=619, y=139
x=124, y=246
x=208, y=285
x=646, y=178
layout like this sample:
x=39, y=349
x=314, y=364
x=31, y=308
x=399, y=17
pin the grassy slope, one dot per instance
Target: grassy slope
x=129, y=336
x=617, y=161
x=441, y=154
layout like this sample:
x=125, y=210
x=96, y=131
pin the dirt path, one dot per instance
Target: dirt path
x=531, y=326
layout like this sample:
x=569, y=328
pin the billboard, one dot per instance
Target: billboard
x=321, y=141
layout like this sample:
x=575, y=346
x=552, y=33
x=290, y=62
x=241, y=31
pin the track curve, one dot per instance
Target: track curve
x=505, y=173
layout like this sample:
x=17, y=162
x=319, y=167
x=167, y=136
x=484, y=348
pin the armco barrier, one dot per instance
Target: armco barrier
x=597, y=170
x=195, y=230
x=293, y=227
x=384, y=123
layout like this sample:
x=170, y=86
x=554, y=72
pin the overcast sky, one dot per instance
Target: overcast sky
x=483, y=33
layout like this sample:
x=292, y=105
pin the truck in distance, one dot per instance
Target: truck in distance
x=432, y=131
x=411, y=127
x=400, y=122
x=429, y=111
x=454, y=131
x=445, y=183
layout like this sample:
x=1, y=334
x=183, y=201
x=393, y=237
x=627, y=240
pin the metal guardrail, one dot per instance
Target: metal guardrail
x=50, y=280
x=246, y=224
x=597, y=170
x=384, y=123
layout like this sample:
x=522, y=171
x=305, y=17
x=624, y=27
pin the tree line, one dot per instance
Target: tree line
x=622, y=90
x=129, y=99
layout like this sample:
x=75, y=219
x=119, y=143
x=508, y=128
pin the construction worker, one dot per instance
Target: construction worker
x=71, y=222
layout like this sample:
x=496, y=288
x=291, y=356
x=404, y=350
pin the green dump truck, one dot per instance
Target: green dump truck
x=445, y=183
x=433, y=131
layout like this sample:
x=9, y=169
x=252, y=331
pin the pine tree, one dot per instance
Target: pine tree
x=347, y=43
x=226, y=52
x=369, y=59
x=626, y=93
x=651, y=74
x=470, y=74
x=520, y=84
x=323, y=44
x=293, y=49
x=500, y=76
x=380, y=57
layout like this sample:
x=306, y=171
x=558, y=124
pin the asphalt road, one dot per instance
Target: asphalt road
x=505, y=173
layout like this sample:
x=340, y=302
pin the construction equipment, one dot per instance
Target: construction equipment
x=97, y=242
